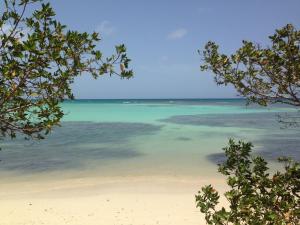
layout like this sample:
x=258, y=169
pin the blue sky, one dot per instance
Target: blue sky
x=162, y=38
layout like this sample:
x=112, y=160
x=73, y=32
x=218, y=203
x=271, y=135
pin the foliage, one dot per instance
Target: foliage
x=262, y=75
x=255, y=196
x=39, y=59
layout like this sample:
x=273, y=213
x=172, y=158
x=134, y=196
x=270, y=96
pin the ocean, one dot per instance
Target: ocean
x=176, y=137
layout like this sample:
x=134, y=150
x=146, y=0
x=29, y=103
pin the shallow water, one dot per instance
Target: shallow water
x=148, y=137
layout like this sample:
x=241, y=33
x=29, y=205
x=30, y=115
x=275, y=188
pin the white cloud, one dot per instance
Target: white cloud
x=105, y=28
x=177, y=34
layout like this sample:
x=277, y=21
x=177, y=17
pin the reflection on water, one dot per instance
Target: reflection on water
x=184, y=139
x=261, y=120
x=150, y=136
x=73, y=144
x=272, y=144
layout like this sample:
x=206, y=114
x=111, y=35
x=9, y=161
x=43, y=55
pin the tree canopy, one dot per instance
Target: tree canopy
x=39, y=59
x=262, y=75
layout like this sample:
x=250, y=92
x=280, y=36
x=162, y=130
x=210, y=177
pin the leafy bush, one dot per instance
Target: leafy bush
x=255, y=195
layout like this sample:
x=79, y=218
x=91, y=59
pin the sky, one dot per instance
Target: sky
x=162, y=39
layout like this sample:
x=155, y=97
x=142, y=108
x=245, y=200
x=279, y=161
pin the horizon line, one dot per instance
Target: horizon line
x=233, y=98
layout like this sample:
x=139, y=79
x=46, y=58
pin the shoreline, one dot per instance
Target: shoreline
x=104, y=200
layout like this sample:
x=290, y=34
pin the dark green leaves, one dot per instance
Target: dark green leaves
x=262, y=75
x=39, y=59
x=255, y=197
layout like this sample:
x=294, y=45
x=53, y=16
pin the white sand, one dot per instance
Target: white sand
x=103, y=200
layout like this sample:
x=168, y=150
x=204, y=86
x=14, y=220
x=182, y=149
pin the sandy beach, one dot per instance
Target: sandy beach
x=107, y=200
x=131, y=164
x=121, y=112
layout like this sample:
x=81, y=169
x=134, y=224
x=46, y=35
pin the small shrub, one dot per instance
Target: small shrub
x=255, y=196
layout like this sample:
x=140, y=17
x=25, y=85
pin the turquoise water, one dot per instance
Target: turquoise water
x=149, y=137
